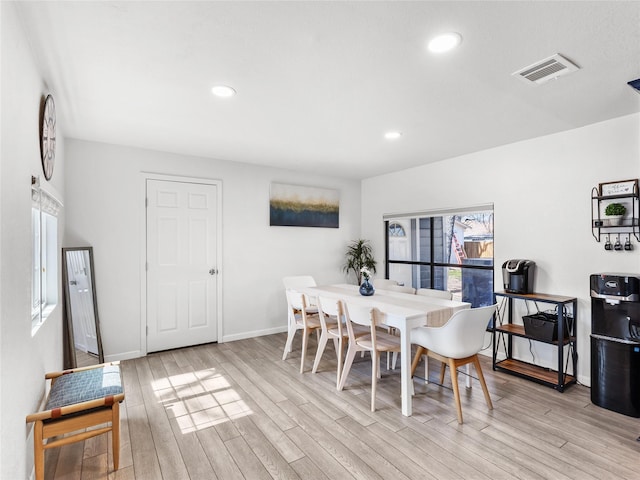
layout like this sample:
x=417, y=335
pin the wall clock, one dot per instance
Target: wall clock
x=48, y=137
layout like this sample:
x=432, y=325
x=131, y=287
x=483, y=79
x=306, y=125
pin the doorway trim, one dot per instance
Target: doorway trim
x=144, y=176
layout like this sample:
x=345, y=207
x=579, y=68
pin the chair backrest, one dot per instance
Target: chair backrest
x=400, y=288
x=383, y=283
x=298, y=304
x=463, y=335
x=299, y=281
x=361, y=315
x=329, y=307
x=432, y=292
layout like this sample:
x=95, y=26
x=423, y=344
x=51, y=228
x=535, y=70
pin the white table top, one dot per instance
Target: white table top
x=397, y=304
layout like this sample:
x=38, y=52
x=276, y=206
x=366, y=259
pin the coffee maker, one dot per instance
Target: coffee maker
x=517, y=276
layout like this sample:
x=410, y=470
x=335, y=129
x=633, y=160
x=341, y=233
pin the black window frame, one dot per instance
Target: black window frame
x=433, y=265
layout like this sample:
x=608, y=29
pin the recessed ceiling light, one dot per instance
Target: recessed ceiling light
x=392, y=135
x=223, y=91
x=445, y=42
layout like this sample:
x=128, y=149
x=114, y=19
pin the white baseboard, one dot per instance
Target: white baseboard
x=123, y=356
x=254, y=333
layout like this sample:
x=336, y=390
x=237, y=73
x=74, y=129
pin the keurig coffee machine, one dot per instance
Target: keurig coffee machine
x=517, y=276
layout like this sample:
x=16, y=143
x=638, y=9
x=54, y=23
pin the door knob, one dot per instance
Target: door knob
x=213, y=271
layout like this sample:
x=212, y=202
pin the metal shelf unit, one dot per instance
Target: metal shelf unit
x=504, y=330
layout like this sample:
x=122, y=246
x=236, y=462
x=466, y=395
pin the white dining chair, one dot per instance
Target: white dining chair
x=294, y=282
x=434, y=293
x=399, y=288
x=331, y=312
x=299, y=281
x=302, y=319
x=382, y=283
x=375, y=342
x=456, y=343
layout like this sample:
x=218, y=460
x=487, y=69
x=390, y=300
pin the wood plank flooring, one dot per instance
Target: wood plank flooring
x=237, y=411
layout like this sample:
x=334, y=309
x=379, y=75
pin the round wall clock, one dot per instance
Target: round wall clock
x=48, y=137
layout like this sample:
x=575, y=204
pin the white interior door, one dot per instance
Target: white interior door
x=181, y=264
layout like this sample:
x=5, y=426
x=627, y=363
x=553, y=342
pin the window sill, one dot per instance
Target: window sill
x=37, y=321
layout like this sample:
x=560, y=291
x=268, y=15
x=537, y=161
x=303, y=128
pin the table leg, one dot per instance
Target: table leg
x=405, y=371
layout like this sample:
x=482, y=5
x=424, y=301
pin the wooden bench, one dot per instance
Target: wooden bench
x=79, y=398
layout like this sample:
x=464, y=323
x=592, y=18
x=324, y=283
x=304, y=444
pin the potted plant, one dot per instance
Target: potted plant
x=615, y=212
x=359, y=255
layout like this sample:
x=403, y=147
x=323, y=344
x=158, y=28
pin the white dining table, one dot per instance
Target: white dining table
x=402, y=311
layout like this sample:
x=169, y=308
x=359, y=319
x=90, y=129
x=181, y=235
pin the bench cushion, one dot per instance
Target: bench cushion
x=85, y=385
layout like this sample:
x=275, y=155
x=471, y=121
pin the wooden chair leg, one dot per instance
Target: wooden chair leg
x=416, y=359
x=487, y=397
x=351, y=353
x=289, y=343
x=456, y=391
x=443, y=369
x=375, y=367
x=115, y=435
x=322, y=344
x=38, y=450
x=340, y=356
x=305, y=341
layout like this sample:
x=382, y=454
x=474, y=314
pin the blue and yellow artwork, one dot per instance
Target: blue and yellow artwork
x=300, y=206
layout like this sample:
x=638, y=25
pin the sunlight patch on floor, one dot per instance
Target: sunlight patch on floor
x=199, y=400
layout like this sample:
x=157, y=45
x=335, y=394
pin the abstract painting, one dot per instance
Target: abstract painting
x=299, y=206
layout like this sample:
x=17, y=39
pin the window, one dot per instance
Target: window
x=44, y=272
x=447, y=250
x=396, y=230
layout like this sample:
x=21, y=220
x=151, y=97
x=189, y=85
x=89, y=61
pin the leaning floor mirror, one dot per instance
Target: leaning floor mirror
x=83, y=343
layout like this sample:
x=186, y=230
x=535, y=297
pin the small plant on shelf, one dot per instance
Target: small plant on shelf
x=614, y=209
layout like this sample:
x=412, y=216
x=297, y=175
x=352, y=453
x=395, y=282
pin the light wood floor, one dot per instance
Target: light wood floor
x=236, y=410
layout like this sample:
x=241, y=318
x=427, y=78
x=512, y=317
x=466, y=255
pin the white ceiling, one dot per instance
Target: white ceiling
x=320, y=82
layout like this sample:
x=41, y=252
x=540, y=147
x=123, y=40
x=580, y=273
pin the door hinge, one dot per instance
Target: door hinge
x=146, y=202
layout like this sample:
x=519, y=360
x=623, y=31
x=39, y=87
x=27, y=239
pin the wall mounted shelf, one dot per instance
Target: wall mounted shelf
x=607, y=193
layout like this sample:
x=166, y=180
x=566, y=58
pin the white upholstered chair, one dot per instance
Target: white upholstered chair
x=456, y=343
x=432, y=292
x=302, y=319
x=375, y=341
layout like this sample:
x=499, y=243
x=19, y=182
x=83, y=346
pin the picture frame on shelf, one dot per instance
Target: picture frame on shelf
x=620, y=187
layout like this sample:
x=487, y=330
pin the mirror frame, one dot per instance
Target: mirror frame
x=67, y=306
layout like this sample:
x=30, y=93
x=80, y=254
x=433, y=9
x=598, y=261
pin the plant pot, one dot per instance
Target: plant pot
x=615, y=220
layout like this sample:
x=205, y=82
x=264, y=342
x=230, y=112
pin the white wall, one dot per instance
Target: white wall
x=104, y=209
x=541, y=190
x=23, y=359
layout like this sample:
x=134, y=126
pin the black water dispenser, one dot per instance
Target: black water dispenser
x=615, y=342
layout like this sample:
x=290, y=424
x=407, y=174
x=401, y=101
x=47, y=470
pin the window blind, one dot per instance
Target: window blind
x=439, y=212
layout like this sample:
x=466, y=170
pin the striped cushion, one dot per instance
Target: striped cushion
x=85, y=385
